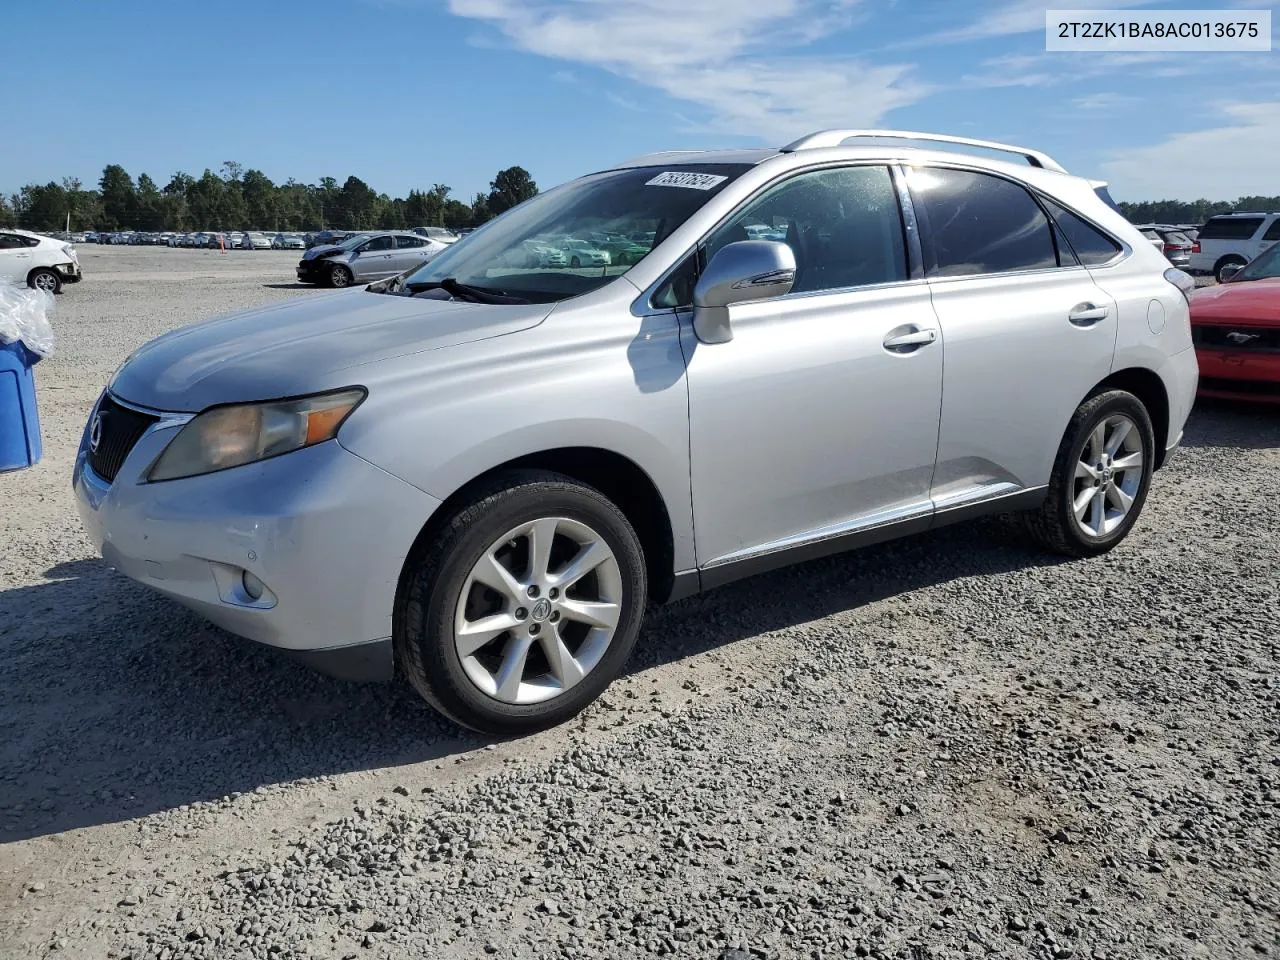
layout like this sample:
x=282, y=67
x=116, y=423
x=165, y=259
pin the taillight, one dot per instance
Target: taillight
x=1185, y=283
x=1170, y=248
x=1195, y=246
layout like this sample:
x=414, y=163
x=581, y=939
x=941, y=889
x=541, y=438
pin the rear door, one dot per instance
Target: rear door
x=1025, y=330
x=409, y=252
x=1270, y=236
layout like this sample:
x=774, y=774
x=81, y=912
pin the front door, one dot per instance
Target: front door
x=374, y=259
x=15, y=258
x=820, y=417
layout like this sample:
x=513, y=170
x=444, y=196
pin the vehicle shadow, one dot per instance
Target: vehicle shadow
x=1232, y=424
x=291, y=286
x=119, y=703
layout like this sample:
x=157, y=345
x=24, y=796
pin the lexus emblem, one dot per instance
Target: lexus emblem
x=1235, y=336
x=95, y=432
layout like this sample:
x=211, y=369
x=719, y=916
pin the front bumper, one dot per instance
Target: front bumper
x=326, y=531
x=314, y=271
x=69, y=272
x=1252, y=375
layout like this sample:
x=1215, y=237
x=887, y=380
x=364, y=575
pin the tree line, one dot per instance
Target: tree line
x=1195, y=211
x=238, y=199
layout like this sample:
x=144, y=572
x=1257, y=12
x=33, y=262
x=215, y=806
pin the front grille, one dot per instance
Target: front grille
x=1256, y=388
x=118, y=429
x=1237, y=338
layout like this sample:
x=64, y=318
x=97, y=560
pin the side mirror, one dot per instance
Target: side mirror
x=1228, y=271
x=739, y=272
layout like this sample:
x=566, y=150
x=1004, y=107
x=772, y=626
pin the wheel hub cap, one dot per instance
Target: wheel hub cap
x=538, y=610
x=1108, y=475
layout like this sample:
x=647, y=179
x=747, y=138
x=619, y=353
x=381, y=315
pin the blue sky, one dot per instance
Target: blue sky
x=407, y=93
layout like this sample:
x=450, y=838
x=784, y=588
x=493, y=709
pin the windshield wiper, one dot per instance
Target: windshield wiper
x=464, y=291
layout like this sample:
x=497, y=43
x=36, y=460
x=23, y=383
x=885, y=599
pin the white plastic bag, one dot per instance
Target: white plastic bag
x=24, y=315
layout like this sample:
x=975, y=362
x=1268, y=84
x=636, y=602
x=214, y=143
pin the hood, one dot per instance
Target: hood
x=1255, y=301
x=303, y=346
x=323, y=250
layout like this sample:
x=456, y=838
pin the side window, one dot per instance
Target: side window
x=977, y=223
x=844, y=226
x=9, y=241
x=1273, y=231
x=1230, y=228
x=378, y=243
x=405, y=243
x=1090, y=244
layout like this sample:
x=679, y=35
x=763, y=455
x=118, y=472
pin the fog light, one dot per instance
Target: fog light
x=252, y=586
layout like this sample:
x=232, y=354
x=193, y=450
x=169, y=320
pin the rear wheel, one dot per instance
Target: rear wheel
x=42, y=278
x=339, y=276
x=1231, y=261
x=1100, y=478
x=525, y=607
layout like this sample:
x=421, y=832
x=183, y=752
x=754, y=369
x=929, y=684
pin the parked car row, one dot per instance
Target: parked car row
x=243, y=239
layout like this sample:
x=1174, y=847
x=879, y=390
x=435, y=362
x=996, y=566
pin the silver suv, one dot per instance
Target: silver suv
x=483, y=470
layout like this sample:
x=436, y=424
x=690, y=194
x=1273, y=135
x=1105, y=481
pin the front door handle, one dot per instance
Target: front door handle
x=1087, y=314
x=905, y=342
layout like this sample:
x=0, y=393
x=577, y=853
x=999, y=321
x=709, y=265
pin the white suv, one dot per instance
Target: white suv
x=40, y=262
x=1233, y=239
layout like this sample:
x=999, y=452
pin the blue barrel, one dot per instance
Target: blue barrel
x=19, y=421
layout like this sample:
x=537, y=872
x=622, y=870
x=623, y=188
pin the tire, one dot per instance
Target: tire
x=441, y=587
x=42, y=278
x=575, y=263
x=340, y=276
x=1224, y=262
x=1056, y=524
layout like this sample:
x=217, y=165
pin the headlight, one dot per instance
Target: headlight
x=244, y=433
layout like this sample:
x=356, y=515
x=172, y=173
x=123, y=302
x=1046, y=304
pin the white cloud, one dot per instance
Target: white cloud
x=721, y=55
x=1104, y=102
x=1225, y=162
x=1019, y=16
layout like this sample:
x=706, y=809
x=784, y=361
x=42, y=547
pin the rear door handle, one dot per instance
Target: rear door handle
x=1087, y=314
x=904, y=342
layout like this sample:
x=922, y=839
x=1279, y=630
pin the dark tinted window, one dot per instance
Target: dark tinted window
x=10, y=241
x=1230, y=228
x=404, y=243
x=678, y=290
x=979, y=224
x=1273, y=231
x=1090, y=244
x=378, y=243
x=844, y=226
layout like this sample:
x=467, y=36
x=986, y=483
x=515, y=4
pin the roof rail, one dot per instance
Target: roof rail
x=834, y=138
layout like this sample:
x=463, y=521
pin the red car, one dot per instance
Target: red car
x=1236, y=330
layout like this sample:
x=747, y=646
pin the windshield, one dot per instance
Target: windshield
x=579, y=236
x=354, y=241
x=1265, y=266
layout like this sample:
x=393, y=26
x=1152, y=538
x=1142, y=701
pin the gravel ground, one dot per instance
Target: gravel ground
x=950, y=746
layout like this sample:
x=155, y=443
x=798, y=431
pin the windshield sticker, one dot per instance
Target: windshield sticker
x=693, y=181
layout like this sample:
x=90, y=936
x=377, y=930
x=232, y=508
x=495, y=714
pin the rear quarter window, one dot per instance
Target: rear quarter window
x=1273, y=231
x=1230, y=228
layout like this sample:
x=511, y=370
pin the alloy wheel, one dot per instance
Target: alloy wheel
x=538, y=610
x=1108, y=475
x=46, y=282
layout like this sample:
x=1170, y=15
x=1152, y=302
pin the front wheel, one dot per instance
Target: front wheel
x=1100, y=478
x=525, y=607
x=339, y=276
x=42, y=278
